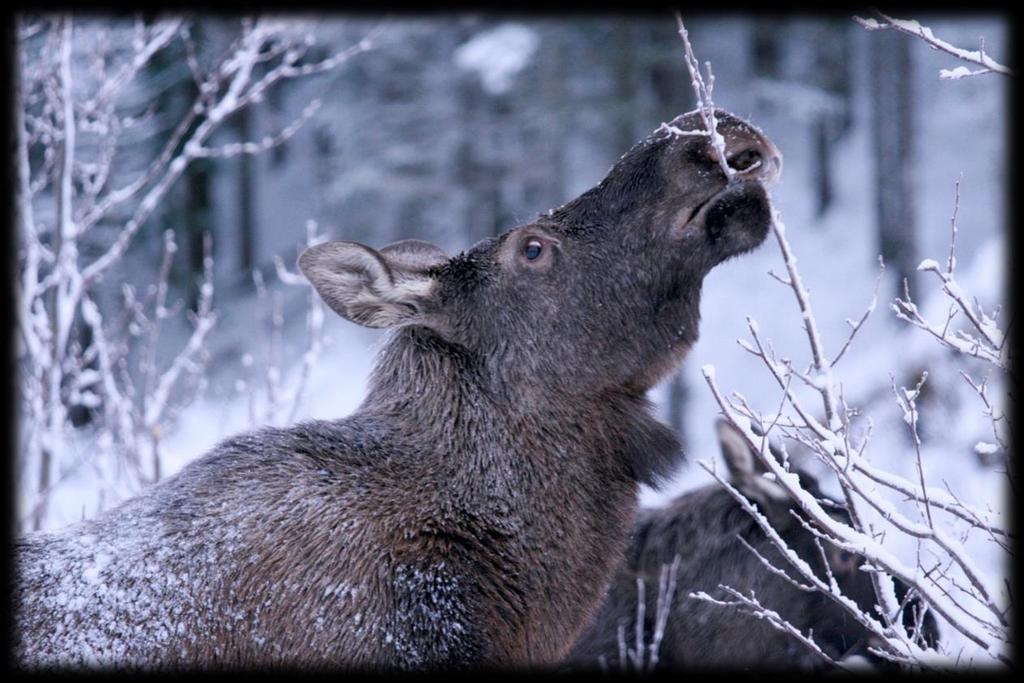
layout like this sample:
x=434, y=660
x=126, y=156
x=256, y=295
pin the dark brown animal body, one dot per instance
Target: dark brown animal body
x=471, y=511
x=707, y=528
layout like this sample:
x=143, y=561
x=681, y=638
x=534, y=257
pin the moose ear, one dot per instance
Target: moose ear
x=383, y=288
x=745, y=469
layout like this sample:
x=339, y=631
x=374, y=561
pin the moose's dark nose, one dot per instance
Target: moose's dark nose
x=749, y=152
x=754, y=158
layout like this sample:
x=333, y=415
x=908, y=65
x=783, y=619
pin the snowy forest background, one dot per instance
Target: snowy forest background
x=450, y=128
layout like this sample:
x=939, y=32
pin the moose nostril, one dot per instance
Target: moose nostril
x=746, y=159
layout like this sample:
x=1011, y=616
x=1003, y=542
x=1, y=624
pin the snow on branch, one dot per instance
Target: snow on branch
x=84, y=192
x=843, y=536
x=897, y=643
x=987, y=342
x=914, y=28
x=831, y=445
x=956, y=588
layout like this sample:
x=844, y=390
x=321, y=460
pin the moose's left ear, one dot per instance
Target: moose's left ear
x=746, y=472
x=385, y=288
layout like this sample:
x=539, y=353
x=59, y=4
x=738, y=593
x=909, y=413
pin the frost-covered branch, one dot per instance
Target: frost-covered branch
x=85, y=190
x=899, y=645
x=829, y=441
x=847, y=538
x=989, y=342
x=203, y=321
x=267, y=142
x=750, y=604
x=160, y=35
x=914, y=28
x=702, y=88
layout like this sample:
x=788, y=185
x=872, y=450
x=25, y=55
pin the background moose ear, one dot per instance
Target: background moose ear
x=745, y=469
x=383, y=288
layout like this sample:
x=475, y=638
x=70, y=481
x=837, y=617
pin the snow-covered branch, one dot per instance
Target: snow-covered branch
x=84, y=192
x=989, y=344
x=916, y=29
x=957, y=588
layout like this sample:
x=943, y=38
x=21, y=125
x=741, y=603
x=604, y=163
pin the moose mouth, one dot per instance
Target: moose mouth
x=734, y=219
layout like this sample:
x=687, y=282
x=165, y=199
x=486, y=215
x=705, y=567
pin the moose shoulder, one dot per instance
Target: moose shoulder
x=471, y=510
x=712, y=535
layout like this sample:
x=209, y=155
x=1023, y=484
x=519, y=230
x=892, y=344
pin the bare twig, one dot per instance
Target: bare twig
x=756, y=609
x=702, y=89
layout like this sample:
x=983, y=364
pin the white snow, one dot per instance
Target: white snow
x=498, y=55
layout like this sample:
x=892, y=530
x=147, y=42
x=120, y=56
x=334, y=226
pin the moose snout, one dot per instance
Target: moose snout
x=749, y=152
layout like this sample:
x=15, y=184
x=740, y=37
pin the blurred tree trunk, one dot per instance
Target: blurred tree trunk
x=500, y=165
x=473, y=173
x=893, y=119
x=198, y=214
x=665, y=73
x=246, y=199
x=766, y=51
x=676, y=402
x=830, y=71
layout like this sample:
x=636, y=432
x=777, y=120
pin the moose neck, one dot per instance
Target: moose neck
x=448, y=397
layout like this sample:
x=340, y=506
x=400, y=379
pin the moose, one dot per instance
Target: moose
x=713, y=535
x=470, y=512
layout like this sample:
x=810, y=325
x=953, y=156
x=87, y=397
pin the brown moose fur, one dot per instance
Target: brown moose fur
x=471, y=511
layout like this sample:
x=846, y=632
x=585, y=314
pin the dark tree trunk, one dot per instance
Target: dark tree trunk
x=766, y=51
x=666, y=73
x=187, y=210
x=473, y=172
x=80, y=415
x=500, y=129
x=246, y=198
x=830, y=71
x=822, y=163
x=198, y=222
x=891, y=70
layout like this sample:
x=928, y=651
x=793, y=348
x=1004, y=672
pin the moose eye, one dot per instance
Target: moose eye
x=846, y=561
x=533, y=250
